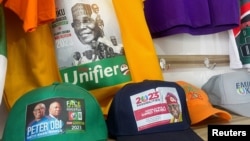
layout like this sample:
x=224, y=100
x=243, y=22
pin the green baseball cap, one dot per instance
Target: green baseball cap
x=58, y=112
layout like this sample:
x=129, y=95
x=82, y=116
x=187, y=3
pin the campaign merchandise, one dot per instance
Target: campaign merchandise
x=196, y=17
x=3, y=51
x=31, y=58
x=94, y=51
x=199, y=106
x=230, y=91
x=151, y=110
x=57, y=112
x=239, y=43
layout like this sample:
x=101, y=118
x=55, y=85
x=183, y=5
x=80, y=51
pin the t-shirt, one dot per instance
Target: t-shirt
x=138, y=44
x=240, y=41
x=196, y=17
x=33, y=12
x=31, y=58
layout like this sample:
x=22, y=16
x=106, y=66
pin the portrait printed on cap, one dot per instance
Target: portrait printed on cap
x=54, y=116
x=155, y=107
x=174, y=107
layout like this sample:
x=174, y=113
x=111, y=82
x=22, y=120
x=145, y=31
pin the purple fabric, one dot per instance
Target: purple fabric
x=196, y=17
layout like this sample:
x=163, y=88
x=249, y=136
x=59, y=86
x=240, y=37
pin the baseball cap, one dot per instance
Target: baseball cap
x=199, y=106
x=139, y=111
x=79, y=116
x=230, y=91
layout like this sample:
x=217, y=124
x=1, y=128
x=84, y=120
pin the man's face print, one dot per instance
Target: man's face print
x=84, y=28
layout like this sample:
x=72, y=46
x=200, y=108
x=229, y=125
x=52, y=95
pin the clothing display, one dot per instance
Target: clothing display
x=95, y=70
x=106, y=44
x=28, y=44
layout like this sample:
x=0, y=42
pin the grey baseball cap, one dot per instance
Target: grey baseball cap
x=231, y=91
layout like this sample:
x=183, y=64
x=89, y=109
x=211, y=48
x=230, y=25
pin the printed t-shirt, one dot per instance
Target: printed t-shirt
x=239, y=41
x=140, y=55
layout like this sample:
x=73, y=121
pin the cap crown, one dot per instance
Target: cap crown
x=198, y=104
x=230, y=91
x=137, y=103
x=81, y=117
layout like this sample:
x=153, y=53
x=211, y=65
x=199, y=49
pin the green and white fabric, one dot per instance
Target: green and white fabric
x=3, y=52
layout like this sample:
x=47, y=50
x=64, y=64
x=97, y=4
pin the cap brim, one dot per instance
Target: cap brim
x=204, y=112
x=184, y=135
x=240, y=109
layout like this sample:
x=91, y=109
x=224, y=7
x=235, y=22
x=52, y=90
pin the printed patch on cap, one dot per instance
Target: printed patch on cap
x=156, y=107
x=54, y=116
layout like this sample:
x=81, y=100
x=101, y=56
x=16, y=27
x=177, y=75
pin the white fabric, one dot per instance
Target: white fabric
x=235, y=62
x=3, y=69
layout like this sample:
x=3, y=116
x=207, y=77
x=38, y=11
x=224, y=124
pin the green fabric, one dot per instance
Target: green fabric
x=3, y=45
x=93, y=122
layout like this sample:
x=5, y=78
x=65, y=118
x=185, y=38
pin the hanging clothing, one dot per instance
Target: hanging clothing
x=3, y=51
x=138, y=44
x=196, y=17
x=234, y=58
x=241, y=41
x=113, y=68
x=31, y=58
x=33, y=12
